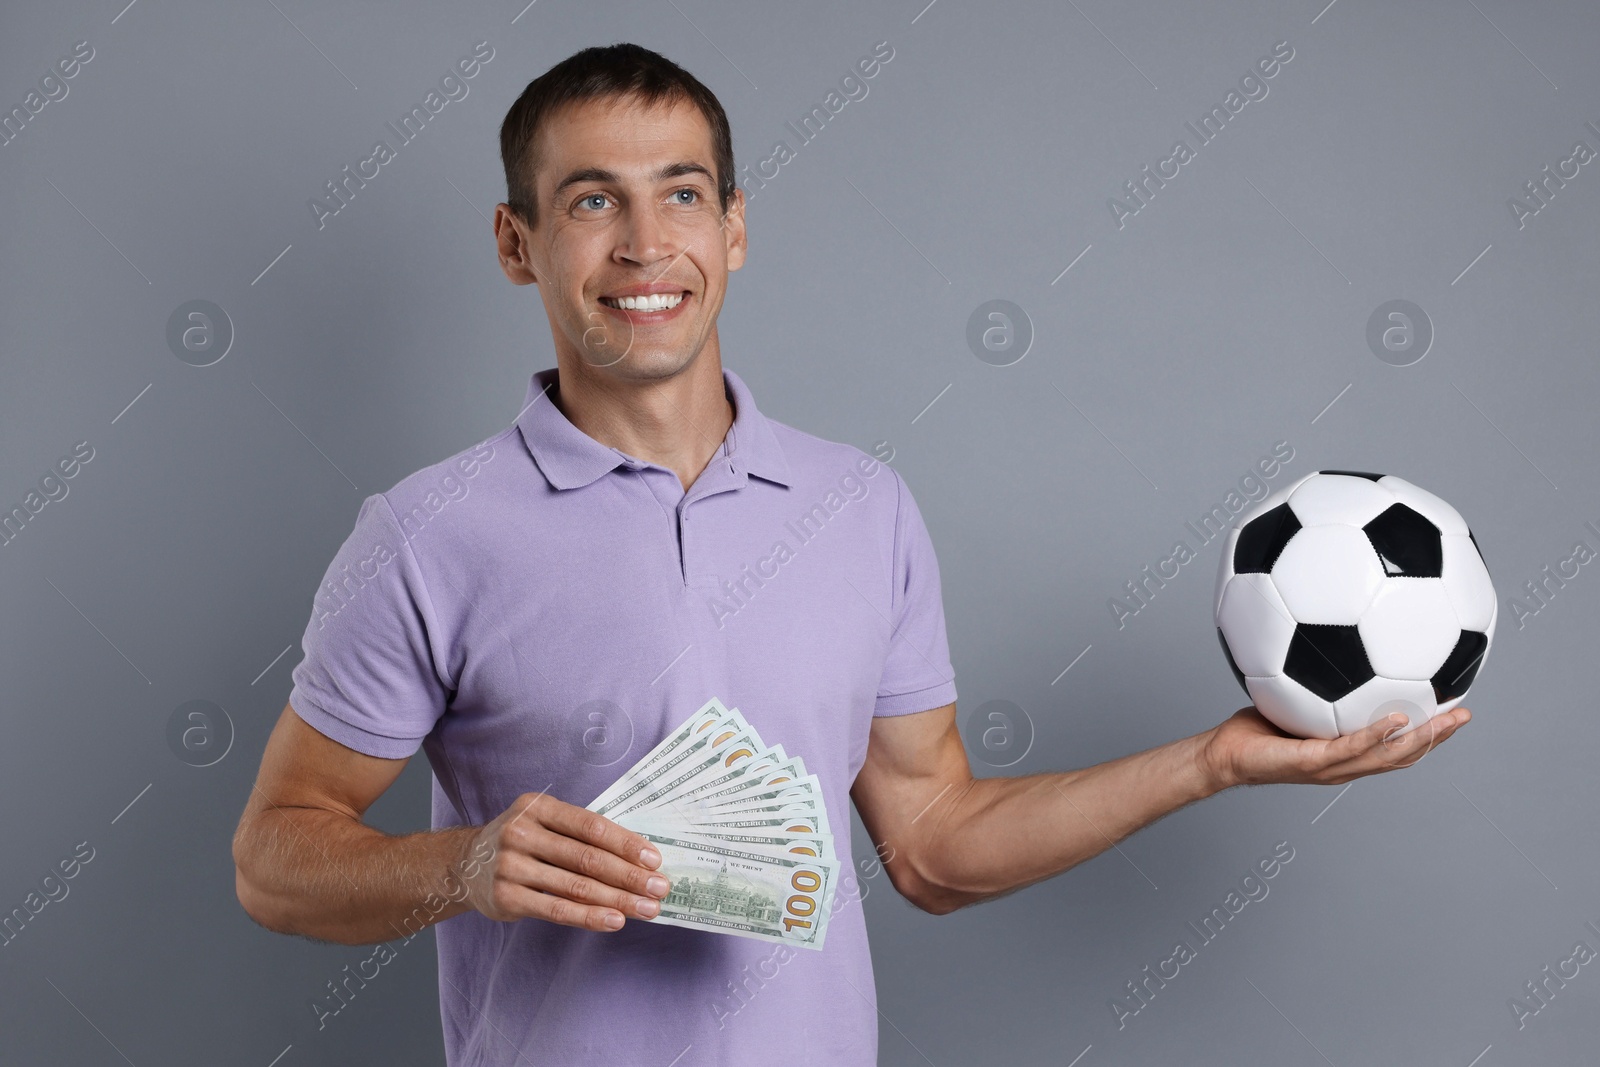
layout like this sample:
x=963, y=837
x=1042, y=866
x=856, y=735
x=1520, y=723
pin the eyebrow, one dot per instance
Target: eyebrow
x=600, y=174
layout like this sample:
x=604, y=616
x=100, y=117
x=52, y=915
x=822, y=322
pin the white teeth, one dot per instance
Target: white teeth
x=653, y=302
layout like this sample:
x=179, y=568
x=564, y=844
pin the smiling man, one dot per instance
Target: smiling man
x=552, y=623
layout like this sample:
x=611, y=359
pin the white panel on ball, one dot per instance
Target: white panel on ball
x=1272, y=500
x=1380, y=696
x=1467, y=582
x=1292, y=708
x=1224, y=571
x=1339, y=498
x=1410, y=628
x=1328, y=574
x=1438, y=511
x=1256, y=623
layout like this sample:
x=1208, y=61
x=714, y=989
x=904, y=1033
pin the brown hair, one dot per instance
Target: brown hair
x=615, y=70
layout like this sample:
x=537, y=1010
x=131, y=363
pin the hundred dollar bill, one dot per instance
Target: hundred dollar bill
x=819, y=845
x=814, y=817
x=740, y=770
x=725, y=743
x=810, y=822
x=707, y=717
x=748, y=780
x=806, y=802
x=759, y=894
x=732, y=757
x=774, y=793
x=693, y=770
x=776, y=839
x=687, y=746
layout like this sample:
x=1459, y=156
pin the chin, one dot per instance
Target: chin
x=651, y=365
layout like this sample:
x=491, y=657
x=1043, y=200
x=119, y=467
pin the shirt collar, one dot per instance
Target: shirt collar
x=571, y=458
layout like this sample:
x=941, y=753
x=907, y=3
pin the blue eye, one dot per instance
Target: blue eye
x=690, y=192
x=593, y=197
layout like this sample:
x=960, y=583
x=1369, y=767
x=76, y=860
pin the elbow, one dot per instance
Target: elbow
x=920, y=882
x=250, y=900
x=253, y=897
x=268, y=911
x=277, y=907
x=939, y=900
x=936, y=904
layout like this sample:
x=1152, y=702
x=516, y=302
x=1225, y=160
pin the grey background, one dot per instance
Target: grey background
x=1226, y=316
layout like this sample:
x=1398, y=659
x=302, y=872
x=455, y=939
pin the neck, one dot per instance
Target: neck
x=677, y=422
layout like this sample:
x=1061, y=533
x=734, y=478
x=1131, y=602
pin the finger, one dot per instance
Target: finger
x=594, y=828
x=1397, y=733
x=537, y=811
x=594, y=862
x=1346, y=749
x=520, y=875
x=1392, y=729
x=522, y=901
x=1410, y=748
x=1389, y=748
x=582, y=889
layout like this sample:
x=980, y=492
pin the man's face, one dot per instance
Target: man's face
x=628, y=211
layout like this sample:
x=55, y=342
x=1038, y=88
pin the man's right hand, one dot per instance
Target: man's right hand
x=552, y=860
x=1247, y=749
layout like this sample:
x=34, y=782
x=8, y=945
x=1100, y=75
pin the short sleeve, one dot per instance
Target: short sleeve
x=368, y=677
x=917, y=675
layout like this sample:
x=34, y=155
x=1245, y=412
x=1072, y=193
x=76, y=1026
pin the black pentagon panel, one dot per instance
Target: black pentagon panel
x=1408, y=544
x=1262, y=539
x=1234, y=667
x=1461, y=666
x=1356, y=474
x=1328, y=660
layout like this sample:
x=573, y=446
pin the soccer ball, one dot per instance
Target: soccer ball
x=1347, y=596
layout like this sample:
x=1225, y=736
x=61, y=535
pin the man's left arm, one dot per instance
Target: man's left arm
x=948, y=839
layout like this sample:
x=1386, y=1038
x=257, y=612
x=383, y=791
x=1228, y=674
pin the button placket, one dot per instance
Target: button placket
x=710, y=483
x=683, y=545
x=671, y=509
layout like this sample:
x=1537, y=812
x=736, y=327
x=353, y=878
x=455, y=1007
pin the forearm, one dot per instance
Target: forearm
x=995, y=835
x=324, y=875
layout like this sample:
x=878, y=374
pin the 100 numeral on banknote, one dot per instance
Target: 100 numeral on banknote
x=758, y=894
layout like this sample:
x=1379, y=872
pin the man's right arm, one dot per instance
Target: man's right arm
x=306, y=864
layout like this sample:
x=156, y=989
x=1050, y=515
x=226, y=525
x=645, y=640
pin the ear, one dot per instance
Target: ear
x=512, y=244
x=733, y=232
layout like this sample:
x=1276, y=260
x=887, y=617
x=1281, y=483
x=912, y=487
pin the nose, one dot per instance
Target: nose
x=646, y=239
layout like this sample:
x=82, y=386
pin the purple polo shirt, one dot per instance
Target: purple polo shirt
x=539, y=610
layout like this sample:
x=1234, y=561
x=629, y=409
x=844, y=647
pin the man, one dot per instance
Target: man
x=639, y=540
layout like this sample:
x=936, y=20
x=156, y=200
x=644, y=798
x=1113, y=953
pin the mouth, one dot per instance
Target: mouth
x=650, y=309
x=652, y=304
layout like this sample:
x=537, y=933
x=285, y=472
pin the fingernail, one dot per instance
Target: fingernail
x=614, y=921
x=1399, y=718
x=648, y=906
x=650, y=857
x=657, y=885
